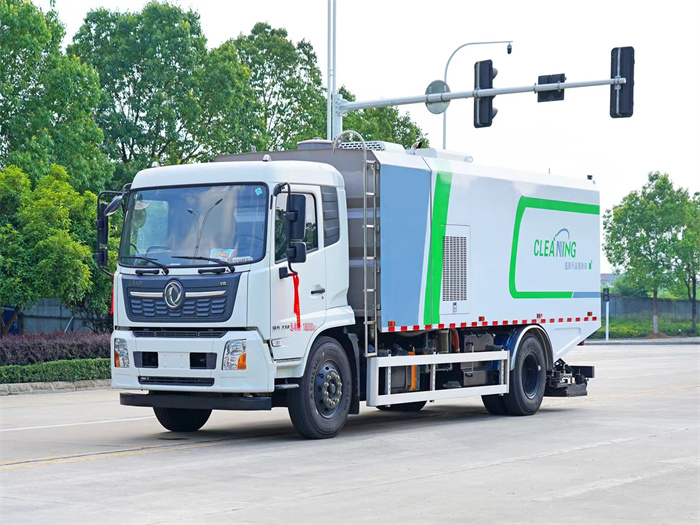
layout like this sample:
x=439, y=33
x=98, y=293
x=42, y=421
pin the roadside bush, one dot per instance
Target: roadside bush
x=74, y=370
x=633, y=327
x=40, y=348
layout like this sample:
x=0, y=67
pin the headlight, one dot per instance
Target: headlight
x=234, y=355
x=121, y=353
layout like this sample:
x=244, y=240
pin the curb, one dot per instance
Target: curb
x=52, y=386
x=661, y=341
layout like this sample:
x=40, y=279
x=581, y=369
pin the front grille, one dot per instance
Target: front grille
x=177, y=381
x=201, y=307
x=213, y=334
x=206, y=300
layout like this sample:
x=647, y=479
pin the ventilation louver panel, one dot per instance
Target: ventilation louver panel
x=454, y=269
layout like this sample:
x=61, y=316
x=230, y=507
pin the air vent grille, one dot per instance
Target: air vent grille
x=454, y=269
x=177, y=381
x=373, y=145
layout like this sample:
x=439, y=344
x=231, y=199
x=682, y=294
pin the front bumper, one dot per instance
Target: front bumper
x=198, y=401
x=175, y=370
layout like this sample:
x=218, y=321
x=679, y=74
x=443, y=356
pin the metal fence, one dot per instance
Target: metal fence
x=643, y=307
x=47, y=315
x=50, y=315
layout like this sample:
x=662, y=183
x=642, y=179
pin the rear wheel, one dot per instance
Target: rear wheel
x=527, y=379
x=416, y=406
x=182, y=419
x=319, y=407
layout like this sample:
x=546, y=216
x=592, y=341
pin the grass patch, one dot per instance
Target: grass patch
x=633, y=327
x=73, y=370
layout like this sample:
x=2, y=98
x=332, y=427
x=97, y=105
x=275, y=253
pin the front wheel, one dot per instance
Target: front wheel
x=182, y=419
x=319, y=407
x=527, y=379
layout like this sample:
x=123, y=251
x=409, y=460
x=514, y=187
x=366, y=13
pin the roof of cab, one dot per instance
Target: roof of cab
x=295, y=172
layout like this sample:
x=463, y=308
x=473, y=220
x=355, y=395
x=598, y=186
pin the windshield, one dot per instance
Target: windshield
x=169, y=225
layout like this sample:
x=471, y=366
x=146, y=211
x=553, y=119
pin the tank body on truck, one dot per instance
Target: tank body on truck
x=312, y=280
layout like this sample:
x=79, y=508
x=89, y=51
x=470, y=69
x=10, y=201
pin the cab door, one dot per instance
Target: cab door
x=289, y=340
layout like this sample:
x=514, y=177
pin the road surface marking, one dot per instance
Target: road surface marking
x=78, y=424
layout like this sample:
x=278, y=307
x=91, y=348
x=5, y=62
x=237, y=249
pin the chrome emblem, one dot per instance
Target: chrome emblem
x=173, y=294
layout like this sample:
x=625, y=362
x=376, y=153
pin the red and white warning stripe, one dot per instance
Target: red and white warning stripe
x=477, y=324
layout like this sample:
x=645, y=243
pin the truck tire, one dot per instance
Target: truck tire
x=319, y=407
x=495, y=404
x=182, y=419
x=527, y=379
x=416, y=406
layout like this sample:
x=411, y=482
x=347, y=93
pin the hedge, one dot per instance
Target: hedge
x=635, y=327
x=74, y=370
x=40, y=348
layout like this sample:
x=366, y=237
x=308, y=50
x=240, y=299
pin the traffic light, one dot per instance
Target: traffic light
x=621, y=95
x=484, y=73
x=550, y=96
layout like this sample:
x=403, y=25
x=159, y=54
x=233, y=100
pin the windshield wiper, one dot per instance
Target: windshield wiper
x=211, y=259
x=152, y=261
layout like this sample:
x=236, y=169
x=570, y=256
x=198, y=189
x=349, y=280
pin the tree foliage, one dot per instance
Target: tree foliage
x=642, y=233
x=40, y=251
x=687, y=265
x=165, y=98
x=287, y=84
x=47, y=100
x=626, y=287
x=383, y=124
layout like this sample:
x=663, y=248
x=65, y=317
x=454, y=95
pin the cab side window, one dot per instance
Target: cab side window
x=281, y=241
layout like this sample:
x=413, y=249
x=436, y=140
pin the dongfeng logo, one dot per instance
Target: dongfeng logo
x=560, y=245
x=173, y=294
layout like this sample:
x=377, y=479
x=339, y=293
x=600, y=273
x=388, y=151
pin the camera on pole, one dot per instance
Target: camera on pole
x=484, y=73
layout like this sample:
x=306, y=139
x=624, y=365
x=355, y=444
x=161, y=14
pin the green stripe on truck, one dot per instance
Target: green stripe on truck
x=438, y=225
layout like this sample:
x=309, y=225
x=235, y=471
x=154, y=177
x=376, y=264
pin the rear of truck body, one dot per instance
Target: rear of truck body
x=423, y=278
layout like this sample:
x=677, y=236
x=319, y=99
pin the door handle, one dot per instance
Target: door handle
x=318, y=291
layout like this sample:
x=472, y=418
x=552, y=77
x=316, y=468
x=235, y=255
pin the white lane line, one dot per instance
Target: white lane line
x=616, y=482
x=78, y=424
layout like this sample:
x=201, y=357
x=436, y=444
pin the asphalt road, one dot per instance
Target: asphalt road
x=627, y=453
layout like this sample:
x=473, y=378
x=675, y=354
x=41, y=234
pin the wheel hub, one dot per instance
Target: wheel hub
x=531, y=376
x=328, y=389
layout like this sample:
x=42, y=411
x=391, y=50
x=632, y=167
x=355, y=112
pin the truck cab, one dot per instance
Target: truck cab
x=205, y=297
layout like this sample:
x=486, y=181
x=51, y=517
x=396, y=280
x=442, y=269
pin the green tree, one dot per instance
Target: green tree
x=626, y=287
x=383, y=124
x=642, y=233
x=40, y=255
x=287, y=84
x=47, y=100
x=687, y=264
x=165, y=98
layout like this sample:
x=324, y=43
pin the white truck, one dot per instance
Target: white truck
x=322, y=277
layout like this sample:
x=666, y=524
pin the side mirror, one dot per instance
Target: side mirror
x=113, y=206
x=101, y=257
x=102, y=224
x=296, y=218
x=296, y=253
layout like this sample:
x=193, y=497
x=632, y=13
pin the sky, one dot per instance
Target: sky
x=395, y=48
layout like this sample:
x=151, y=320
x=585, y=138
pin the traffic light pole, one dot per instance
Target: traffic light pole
x=343, y=107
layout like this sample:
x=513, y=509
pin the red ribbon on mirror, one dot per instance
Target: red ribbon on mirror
x=297, y=310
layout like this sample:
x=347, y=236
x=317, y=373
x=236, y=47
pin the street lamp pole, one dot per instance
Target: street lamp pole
x=444, y=115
